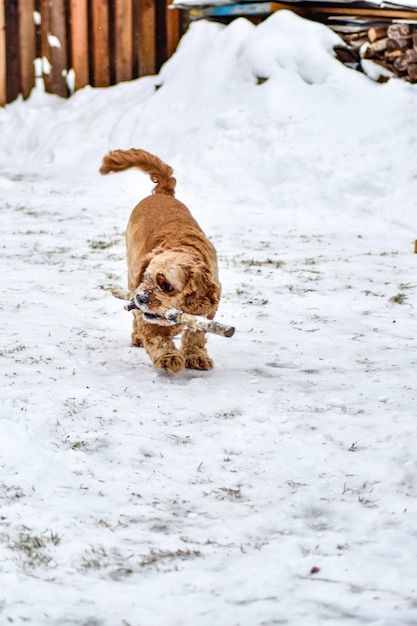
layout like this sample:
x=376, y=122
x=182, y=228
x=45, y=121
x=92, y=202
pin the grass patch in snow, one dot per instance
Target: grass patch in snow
x=399, y=298
x=155, y=557
x=100, y=244
x=32, y=548
x=8, y=351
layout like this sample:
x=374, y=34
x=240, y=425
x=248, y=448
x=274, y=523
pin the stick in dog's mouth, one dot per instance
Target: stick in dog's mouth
x=174, y=316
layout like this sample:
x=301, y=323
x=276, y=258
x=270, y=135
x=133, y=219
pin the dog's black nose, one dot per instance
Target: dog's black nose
x=142, y=298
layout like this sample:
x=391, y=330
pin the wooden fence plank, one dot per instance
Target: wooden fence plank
x=147, y=37
x=173, y=24
x=100, y=43
x=54, y=46
x=27, y=46
x=78, y=21
x=103, y=41
x=3, y=93
x=12, y=50
x=123, y=40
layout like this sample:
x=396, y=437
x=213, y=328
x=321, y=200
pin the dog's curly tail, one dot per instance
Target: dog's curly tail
x=160, y=173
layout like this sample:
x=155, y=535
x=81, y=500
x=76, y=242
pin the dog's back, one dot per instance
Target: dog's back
x=159, y=221
x=160, y=172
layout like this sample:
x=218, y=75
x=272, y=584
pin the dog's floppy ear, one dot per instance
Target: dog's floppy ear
x=201, y=294
x=135, y=277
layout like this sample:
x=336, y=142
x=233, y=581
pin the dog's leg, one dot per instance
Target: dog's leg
x=137, y=339
x=158, y=343
x=193, y=344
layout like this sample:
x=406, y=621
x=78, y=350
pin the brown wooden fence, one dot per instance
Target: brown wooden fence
x=80, y=42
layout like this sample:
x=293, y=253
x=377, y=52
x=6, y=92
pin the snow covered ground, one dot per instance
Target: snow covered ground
x=279, y=488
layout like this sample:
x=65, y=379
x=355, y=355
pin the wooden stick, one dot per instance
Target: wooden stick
x=174, y=316
x=199, y=323
x=121, y=294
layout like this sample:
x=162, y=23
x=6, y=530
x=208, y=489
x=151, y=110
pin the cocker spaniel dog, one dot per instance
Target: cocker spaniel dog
x=171, y=265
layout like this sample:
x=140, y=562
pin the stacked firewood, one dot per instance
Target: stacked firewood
x=394, y=47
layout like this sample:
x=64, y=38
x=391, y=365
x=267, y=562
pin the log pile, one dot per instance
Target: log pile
x=392, y=46
x=395, y=49
x=381, y=33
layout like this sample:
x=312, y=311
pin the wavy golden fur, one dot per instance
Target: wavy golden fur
x=171, y=264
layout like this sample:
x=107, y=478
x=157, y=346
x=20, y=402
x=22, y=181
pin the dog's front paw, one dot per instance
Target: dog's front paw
x=198, y=361
x=137, y=340
x=170, y=361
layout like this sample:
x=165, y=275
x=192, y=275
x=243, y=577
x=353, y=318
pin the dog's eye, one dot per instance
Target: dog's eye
x=165, y=285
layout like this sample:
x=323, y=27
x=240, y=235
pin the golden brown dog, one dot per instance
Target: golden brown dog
x=171, y=264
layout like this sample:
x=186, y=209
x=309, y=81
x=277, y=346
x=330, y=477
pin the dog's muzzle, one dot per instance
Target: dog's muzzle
x=139, y=301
